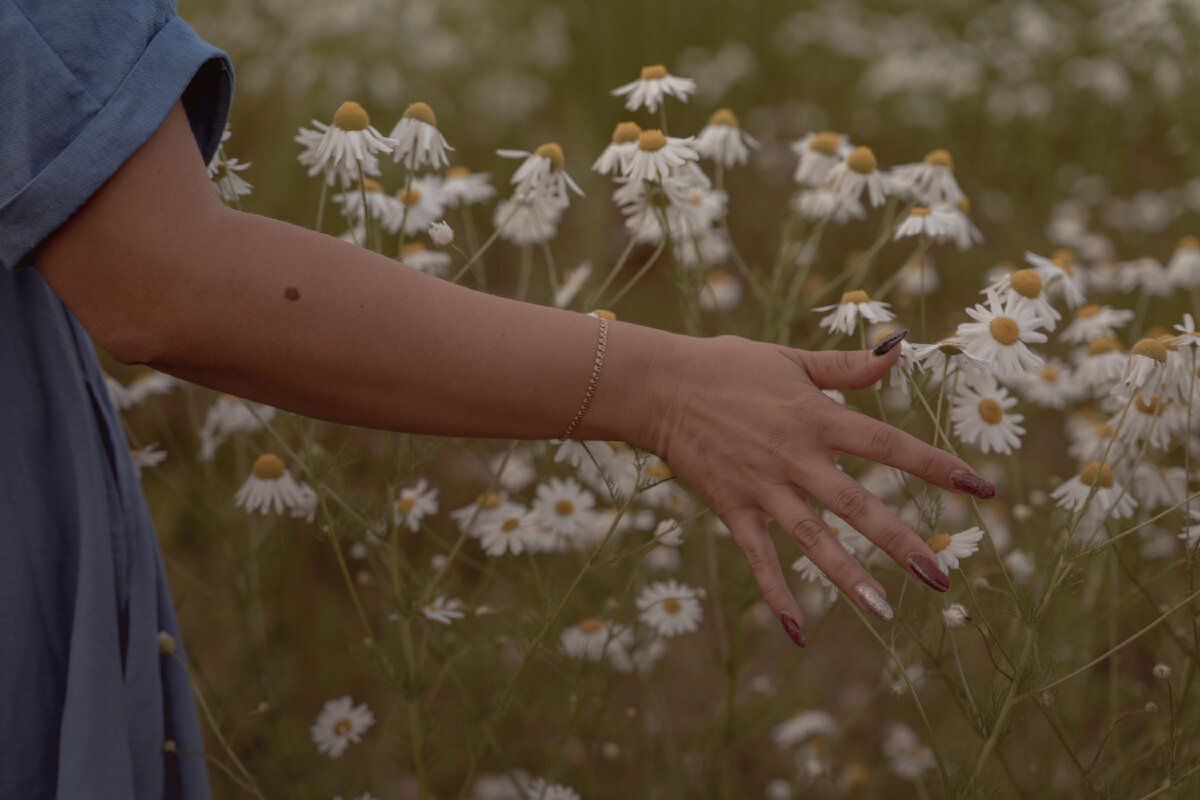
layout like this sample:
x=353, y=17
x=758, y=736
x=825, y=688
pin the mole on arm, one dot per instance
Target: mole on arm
x=291, y=293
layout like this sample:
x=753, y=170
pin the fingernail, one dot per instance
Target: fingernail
x=971, y=483
x=793, y=630
x=874, y=601
x=927, y=570
x=885, y=345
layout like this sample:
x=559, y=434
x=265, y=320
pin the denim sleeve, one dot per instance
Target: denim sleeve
x=83, y=84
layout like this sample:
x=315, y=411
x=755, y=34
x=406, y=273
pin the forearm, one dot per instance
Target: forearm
x=309, y=323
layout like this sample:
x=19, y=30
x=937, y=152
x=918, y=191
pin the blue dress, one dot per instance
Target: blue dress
x=86, y=700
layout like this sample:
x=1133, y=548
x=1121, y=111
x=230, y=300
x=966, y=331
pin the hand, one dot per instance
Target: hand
x=747, y=428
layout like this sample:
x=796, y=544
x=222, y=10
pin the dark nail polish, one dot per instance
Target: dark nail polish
x=971, y=483
x=886, y=344
x=793, y=630
x=927, y=570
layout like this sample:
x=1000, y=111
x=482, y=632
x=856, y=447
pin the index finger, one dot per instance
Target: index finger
x=851, y=432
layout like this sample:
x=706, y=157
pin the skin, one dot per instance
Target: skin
x=160, y=272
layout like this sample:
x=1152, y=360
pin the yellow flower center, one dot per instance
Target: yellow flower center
x=826, y=143
x=509, y=525
x=1049, y=373
x=919, y=211
x=350, y=116
x=457, y=172
x=651, y=140
x=658, y=470
x=1146, y=406
x=1063, y=259
x=591, y=625
x=370, y=184
x=405, y=504
x=940, y=158
x=990, y=411
x=856, y=296
x=412, y=247
x=938, y=543
x=1005, y=330
x=564, y=508
x=717, y=277
x=654, y=72
x=964, y=205
x=672, y=605
x=616, y=447
x=1150, y=348
x=604, y=313
x=1087, y=311
x=1088, y=474
x=949, y=348
x=342, y=727
x=723, y=116
x=1026, y=283
x=420, y=111
x=879, y=336
x=862, y=161
x=626, y=132
x=552, y=151
x=410, y=196
x=268, y=467
x=1102, y=344
x=1168, y=341
x=1188, y=242
x=492, y=500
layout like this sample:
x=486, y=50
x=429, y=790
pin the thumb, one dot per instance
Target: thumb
x=852, y=369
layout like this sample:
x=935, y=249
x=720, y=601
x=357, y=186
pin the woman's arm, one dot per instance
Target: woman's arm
x=160, y=272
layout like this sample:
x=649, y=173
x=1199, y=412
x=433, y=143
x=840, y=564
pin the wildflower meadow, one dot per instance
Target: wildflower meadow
x=377, y=615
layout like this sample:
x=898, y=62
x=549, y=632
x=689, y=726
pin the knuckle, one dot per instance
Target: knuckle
x=760, y=559
x=851, y=502
x=884, y=443
x=842, y=572
x=807, y=534
x=893, y=538
x=933, y=463
x=843, y=360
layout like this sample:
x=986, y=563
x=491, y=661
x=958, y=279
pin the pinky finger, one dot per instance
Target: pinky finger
x=750, y=532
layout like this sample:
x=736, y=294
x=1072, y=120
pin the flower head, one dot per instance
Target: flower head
x=723, y=141
x=1000, y=333
x=418, y=140
x=443, y=610
x=951, y=547
x=982, y=416
x=340, y=724
x=614, y=160
x=670, y=608
x=654, y=84
x=345, y=146
x=854, y=304
x=413, y=504
x=271, y=488
x=461, y=187
x=658, y=155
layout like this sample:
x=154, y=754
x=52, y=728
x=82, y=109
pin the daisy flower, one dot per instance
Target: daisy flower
x=418, y=142
x=272, y=489
x=918, y=276
x=858, y=172
x=380, y=205
x=414, y=504
x=527, y=217
x=802, y=726
x=1145, y=273
x=539, y=789
x=1023, y=289
x=1183, y=269
x=1062, y=275
x=1020, y=565
x=949, y=356
x=417, y=207
x=721, y=291
x=1073, y=494
x=1145, y=368
x=1188, y=337
x=1158, y=487
x=614, y=160
x=669, y=608
x=224, y=173
x=507, y=529
x=461, y=187
x=586, y=640
x=572, y=282
x=657, y=156
x=920, y=222
x=347, y=144
x=1000, y=333
x=723, y=141
x=825, y=204
x=1051, y=386
x=417, y=256
x=854, y=304
x=340, y=724
x=1093, y=322
x=1101, y=366
x=542, y=171
x=957, y=219
x=819, y=153
x=982, y=417
x=907, y=757
x=1151, y=418
x=443, y=610
x=951, y=547
x=930, y=182
x=654, y=84
x=229, y=415
x=441, y=234
x=150, y=382
x=563, y=507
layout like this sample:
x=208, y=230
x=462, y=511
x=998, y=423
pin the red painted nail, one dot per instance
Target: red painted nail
x=927, y=570
x=793, y=630
x=971, y=483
